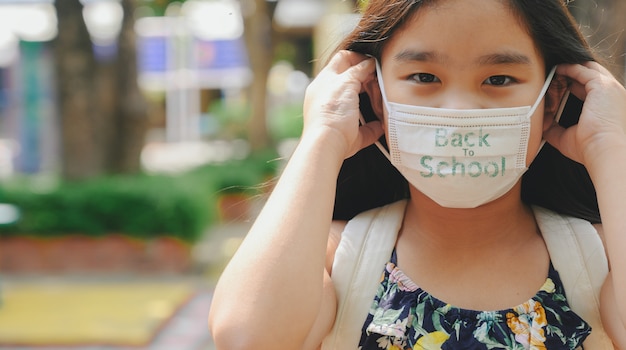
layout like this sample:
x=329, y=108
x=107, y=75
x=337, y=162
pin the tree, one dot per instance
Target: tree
x=75, y=70
x=102, y=112
x=258, y=37
x=130, y=116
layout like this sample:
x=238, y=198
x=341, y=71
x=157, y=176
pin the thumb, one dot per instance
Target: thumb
x=369, y=133
x=563, y=140
x=553, y=133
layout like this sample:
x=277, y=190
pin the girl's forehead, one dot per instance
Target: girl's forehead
x=462, y=29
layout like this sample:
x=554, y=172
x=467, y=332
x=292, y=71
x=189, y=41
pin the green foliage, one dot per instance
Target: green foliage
x=159, y=6
x=232, y=118
x=141, y=206
x=248, y=176
x=286, y=122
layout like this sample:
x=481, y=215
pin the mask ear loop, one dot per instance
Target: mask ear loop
x=559, y=111
x=379, y=78
x=557, y=116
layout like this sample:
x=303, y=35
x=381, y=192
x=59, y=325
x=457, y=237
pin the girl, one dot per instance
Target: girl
x=456, y=90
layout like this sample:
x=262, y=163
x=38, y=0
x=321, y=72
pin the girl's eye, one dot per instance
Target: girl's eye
x=499, y=80
x=425, y=78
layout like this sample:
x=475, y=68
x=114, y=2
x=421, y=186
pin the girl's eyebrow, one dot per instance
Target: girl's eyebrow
x=498, y=58
x=420, y=56
x=505, y=57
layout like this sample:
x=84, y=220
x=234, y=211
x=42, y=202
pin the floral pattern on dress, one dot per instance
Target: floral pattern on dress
x=403, y=316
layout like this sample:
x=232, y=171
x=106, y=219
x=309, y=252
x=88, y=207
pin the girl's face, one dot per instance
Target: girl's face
x=464, y=54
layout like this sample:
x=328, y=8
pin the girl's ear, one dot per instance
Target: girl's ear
x=373, y=91
x=554, y=96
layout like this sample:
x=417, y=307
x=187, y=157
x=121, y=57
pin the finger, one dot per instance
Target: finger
x=371, y=132
x=578, y=90
x=362, y=71
x=597, y=67
x=368, y=134
x=552, y=134
x=574, y=75
x=343, y=60
x=577, y=72
x=354, y=57
x=560, y=138
x=585, y=77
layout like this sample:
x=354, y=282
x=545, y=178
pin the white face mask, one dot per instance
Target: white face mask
x=460, y=158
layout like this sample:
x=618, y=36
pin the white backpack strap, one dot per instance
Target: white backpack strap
x=578, y=255
x=366, y=245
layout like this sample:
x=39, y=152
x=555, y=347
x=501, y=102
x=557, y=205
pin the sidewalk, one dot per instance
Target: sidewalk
x=174, y=315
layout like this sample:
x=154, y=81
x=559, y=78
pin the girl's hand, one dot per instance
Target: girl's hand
x=602, y=124
x=331, y=104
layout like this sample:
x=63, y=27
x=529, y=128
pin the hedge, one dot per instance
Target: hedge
x=141, y=206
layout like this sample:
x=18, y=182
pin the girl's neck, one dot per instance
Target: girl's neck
x=457, y=254
x=504, y=220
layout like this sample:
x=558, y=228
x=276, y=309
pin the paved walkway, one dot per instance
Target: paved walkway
x=187, y=330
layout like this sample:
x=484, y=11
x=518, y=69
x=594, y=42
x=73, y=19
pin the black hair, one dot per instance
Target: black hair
x=368, y=180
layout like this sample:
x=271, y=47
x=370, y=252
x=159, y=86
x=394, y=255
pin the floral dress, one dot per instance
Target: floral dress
x=403, y=316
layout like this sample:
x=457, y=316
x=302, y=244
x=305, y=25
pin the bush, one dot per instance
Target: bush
x=286, y=122
x=141, y=206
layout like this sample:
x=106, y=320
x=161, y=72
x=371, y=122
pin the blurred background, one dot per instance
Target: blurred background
x=138, y=139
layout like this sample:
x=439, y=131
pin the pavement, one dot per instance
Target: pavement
x=118, y=312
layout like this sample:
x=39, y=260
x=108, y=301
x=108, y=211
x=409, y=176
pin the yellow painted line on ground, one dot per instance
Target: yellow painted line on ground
x=121, y=313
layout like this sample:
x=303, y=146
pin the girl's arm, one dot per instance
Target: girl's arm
x=610, y=318
x=607, y=173
x=275, y=293
x=599, y=142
